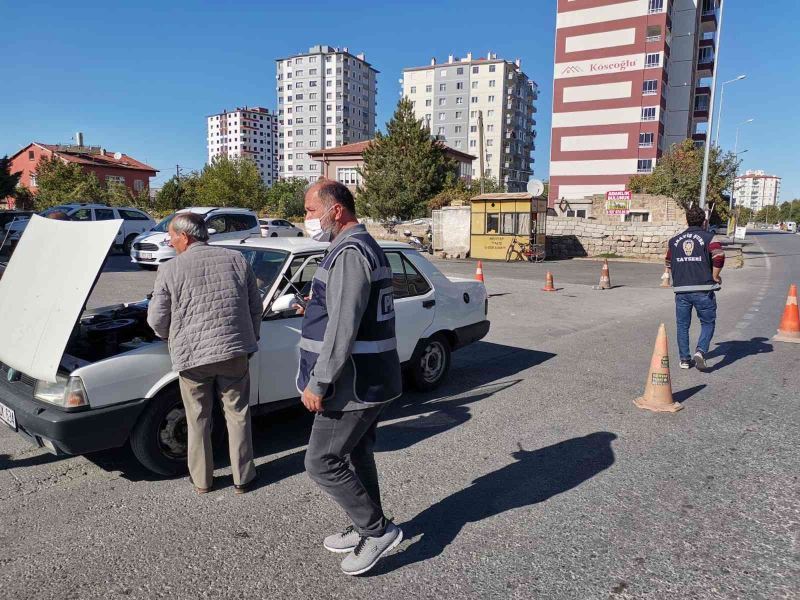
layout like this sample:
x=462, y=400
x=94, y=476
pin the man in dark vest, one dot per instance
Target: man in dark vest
x=349, y=371
x=695, y=260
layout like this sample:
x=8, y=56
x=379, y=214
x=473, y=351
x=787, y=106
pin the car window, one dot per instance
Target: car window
x=266, y=265
x=417, y=284
x=132, y=215
x=297, y=279
x=164, y=224
x=217, y=223
x=240, y=222
x=82, y=214
x=407, y=281
x=103, y=214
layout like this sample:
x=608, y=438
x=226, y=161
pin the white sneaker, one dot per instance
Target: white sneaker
x=345, y=541
x=699, y=361
x=370, y=550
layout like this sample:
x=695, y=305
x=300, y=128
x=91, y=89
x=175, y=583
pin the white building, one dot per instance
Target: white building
x=452, y=96
x=326, y=98
x=246, y=133
x=756, y=189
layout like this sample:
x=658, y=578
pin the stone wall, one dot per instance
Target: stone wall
x=571, y=237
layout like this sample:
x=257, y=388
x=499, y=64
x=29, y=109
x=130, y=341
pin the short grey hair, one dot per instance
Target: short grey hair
x=193, y=225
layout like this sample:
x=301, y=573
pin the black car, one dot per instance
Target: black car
x=6, y=216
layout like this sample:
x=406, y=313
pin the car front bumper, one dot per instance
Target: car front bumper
x=78, y=432
x=151, y=258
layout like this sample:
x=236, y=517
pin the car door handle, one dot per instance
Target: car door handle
x=428, y=303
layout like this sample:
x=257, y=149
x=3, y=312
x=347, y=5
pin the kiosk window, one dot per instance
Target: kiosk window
x=509, y=220
x=523, y=224
x=492, y=222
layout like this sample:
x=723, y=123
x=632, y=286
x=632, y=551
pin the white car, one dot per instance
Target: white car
x=78, y=381
x=134, y=221
x=152, y=248
x=279, y=228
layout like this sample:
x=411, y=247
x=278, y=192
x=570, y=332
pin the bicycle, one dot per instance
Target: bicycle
x=523, y=251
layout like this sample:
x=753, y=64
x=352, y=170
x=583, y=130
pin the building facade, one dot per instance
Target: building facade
x=756, y=189
x=342, y=163
x=108, y=166
x=631, y=78
x=326, y=98
x=455, y=97
x=248, y=132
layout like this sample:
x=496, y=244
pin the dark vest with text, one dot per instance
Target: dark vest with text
x=691, y=261
x=376, y=365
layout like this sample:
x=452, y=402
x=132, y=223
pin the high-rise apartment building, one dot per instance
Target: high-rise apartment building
x=756, y=189
x=249, y=132
x=453, y=97
x=631, y=78
x=326, y=98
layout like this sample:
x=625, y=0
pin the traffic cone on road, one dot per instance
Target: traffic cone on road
x=658, y=389
x=605, y=277
x=479, y=272
x=789, y=329
x=548, y=283
x=665, y=279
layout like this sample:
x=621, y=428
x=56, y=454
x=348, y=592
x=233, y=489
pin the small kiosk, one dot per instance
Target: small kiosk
x=499, y=219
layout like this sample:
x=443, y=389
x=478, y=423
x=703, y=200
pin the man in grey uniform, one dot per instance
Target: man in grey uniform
x=349, y=370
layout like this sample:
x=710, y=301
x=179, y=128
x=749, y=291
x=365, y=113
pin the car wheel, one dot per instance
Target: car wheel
x=127, y=245
x=273, y=235
x=159, y=439
x=432, y=364
x=300, y=234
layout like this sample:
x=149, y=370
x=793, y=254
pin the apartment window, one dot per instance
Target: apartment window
x=440, y=131
x=492, y=68
x=489, y=142
x=442, y=116
x=646, y=140
x=490, y=113
x=458, y=113
x=656, y=6
x=329, y=131
x=474, y=69
x=644, y=165
x=442, y=87
x=473, y=143
x=474, y=85
x=31, y=155
x=428, y=88
x=458, y=129
x=443, y=72
x=648, y=113
x=706, y=55
x=652, y=60
x=492, y=82
x=347, y=175
x=460, y=100
x=428, y=102
x=473, y=114
x=474, y=100
x=653, y=33
x=650, y=87
x=312, y=119
x=458, y=143
x=413, y=89
x=490, y=128
x=298, y=61
x=473, y=128
x=460, y=85
x=491, y=98
x=442, y=101
x=460, y=71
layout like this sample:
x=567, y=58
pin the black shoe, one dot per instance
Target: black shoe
x=699, y=360
x=686, y=364
x=245, y=487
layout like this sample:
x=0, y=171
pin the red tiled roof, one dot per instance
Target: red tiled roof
x=100, y=160
x=359, y=147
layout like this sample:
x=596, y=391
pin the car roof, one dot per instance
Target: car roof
x=204, y=210
x=295, y=244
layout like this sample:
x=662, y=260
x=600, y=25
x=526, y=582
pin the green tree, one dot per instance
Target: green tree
x=745, y=215
x=463, y=191
x=8, y=180
x=176, y=194
x=768, y=214
x=402, y=169
x=789, y=211
x=60, y=182
x=286, y=198
x=118, y=194
x=24, y=198
x=231, y=182
x=678, y=174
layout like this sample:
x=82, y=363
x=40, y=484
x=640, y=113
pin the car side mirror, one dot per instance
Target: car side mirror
x=212, y=231
x=286, y=302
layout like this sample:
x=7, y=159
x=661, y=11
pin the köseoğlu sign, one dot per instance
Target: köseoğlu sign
x=598, y=66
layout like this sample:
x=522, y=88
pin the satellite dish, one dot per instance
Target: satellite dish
x=117, y=155
x=535, y=188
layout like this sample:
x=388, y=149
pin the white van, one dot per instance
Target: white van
x=791, y=226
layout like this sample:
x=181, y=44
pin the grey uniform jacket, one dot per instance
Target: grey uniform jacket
x=207, y=305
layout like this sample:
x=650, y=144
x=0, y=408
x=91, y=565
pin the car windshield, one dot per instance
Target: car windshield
x=55, y=209
x=163, y=225
x=266, y=265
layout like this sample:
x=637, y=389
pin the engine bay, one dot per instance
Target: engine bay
x=111, y=330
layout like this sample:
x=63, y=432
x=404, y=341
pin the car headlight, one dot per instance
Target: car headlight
x=65, y=392
x=164, y=243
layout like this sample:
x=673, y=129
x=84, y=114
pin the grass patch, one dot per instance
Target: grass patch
x=609, y=255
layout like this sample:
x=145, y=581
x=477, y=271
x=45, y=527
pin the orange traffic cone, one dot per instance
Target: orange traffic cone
x=789, y=329
x=658, y=389
x=479, y=272
x=548, y=284
x=665, y=279
x=605, y=277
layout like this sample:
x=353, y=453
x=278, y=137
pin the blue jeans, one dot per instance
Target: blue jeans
x=705, y=303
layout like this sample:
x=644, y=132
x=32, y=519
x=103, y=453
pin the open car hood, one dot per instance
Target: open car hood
x=44, y=289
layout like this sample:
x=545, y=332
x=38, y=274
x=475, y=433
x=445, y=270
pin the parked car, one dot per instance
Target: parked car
x=152, y=247
x=279, y=228
x=76, y=381
x=7, y=216
x=134, y=221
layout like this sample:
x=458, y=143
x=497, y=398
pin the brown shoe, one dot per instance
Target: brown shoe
x=245, y=487
x=200, y=490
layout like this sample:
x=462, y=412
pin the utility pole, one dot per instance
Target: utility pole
x=710, y=128
x=480, y=145
x=178, y=194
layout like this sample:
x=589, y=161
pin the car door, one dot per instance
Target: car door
x=279, y=353
x=107, y=214
x=414, y=303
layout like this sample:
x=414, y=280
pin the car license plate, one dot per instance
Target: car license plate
x=145, y=255
x=8, y=417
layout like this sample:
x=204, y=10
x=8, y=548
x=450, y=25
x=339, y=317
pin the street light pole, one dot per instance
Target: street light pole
x=706, y=154
x=721, y=98
x=736, y=154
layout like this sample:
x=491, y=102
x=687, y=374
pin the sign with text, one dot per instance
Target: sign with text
x=618, y=202
x=599, y=66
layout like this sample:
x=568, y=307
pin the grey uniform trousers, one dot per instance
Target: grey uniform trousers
x=229, y=381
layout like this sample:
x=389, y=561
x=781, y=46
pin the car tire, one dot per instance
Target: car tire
x=432, y=363
x=158, y=439
x=127, y=245
x=300, y=234
x=273, y=235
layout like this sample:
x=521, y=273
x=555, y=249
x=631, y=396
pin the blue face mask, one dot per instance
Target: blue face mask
x=314, y=228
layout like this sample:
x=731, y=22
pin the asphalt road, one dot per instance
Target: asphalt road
x=529, y=474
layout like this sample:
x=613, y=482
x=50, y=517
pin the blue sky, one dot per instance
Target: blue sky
x=140, y=77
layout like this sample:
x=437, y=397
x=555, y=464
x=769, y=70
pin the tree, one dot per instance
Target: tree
x=231, y=182
x=678, y=174
x=789, y=211
x=463, y=191
x=8, y=180
x=768, y=214
x=176, y=194
x=61, y=182
x=286, y=198
x=744, y=214
x=402, y=169
x=24, y=198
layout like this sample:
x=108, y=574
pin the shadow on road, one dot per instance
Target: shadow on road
x=534, y=476
x=684, y=395
x=733, y=350
x=7, y=462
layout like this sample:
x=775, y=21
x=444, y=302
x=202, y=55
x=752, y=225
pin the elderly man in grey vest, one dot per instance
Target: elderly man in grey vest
x=207, y=305
x=349, y=370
